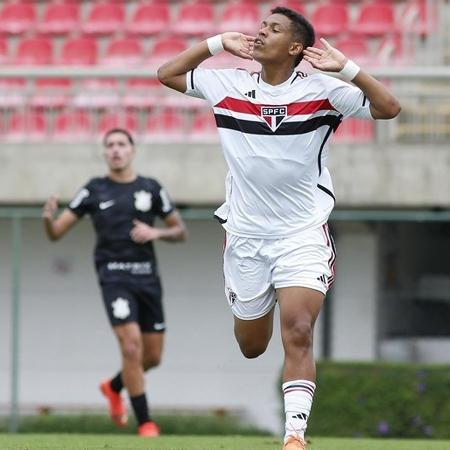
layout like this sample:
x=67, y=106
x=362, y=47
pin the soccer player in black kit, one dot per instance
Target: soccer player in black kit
x=123, y=207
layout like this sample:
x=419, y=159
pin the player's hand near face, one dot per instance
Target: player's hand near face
x=173, y=72
x=142, y=232
x=238, y=44
x=383, y=105
x=328, y=59
x=50, y=207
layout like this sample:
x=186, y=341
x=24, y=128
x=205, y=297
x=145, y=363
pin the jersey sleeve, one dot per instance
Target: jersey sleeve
x=82, y=203
x=209, y=84
x=349, y=100
x=163, y=203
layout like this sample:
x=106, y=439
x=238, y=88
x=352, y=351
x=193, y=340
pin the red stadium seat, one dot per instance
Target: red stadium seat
x=391, y=52
x=222, y=60
x=97, y=94
x=124, y=52
x=166, y=126
x=175, y=99
x=16, y=18
x=355, y=131
x=225, y=60
x=195, y=19
x=4, y=54
x=296, y=5
x=164, y=49
x=126, y=120
x=34, y=51
x=28, y=126
x=204, y=128
x=420, y=16
x=51, y=93
x=73, y=126
x=243, y=17
x=375, y=19
x=60, y=19
x=149, y=19
x=142, y=93
x=104, y=18
x=12, y=93
x=79, y=51
x=355, y=48
x=330, y=19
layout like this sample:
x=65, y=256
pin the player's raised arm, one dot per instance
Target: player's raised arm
x=383, y=105
x=56, y=227
x=173, y=72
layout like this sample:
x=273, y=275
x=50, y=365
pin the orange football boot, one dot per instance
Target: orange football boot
x=149, y=429
x=294, y=443
x=117, y=409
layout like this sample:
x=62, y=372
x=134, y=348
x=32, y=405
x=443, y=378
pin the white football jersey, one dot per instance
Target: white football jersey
x=275, y=142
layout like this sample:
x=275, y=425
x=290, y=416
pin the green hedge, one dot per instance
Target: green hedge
x=182, y=424
x=391, y=400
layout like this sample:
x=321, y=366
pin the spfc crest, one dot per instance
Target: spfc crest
x=143, y=201
x=274, y=115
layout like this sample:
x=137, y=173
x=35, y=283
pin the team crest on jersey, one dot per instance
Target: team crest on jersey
x=143, y=201
x=274, y=115
x=231, y=296
x=121, y=308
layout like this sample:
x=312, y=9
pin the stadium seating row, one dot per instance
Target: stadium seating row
x=59, y=93
x=81, y=126
x=373, y=18
x=130, y=52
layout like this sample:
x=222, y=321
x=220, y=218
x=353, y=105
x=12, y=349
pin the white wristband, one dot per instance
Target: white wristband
x=350, y=70
x=215, y=44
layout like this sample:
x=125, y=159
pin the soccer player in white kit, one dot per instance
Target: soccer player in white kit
x=274, y=128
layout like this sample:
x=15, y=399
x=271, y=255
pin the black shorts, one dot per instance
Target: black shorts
x=140, y=303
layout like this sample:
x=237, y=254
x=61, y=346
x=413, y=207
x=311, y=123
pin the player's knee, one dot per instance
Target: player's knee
x=152, y=361
x=252, y=350
x=298, y=335
x=131, y=349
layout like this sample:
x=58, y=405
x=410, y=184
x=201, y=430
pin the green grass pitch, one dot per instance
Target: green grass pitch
x=110, y=442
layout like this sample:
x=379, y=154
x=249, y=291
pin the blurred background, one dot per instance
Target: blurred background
x=71, y=70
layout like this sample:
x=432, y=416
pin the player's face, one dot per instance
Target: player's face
x=119, y=151
x=275, y=40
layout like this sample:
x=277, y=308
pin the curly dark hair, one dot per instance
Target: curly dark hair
x=302, y=30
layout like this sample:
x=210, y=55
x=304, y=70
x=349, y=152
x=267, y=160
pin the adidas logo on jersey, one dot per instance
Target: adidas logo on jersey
x=251, y=94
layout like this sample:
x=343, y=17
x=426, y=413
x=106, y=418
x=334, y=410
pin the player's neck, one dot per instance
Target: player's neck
x=122, y=176
x=275, y=75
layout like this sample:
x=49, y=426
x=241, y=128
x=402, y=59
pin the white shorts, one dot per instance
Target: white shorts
x=255, y=268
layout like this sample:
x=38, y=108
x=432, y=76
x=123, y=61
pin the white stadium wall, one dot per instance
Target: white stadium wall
x=363, y=175
x=67, y=347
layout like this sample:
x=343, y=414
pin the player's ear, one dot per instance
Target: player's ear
x=296, y=48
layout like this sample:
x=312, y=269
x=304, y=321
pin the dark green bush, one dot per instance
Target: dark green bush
x=392, y=400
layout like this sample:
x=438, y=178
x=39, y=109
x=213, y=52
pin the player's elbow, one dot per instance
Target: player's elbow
x=53, y=237
x=387, y=110
x=394, y=108
x=184, y=235
x=164, y=75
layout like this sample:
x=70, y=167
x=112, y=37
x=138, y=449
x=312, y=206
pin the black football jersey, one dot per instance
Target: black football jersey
x=112, y=207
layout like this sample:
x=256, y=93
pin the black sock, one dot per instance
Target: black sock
x=140, y=408
x=117, y=383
